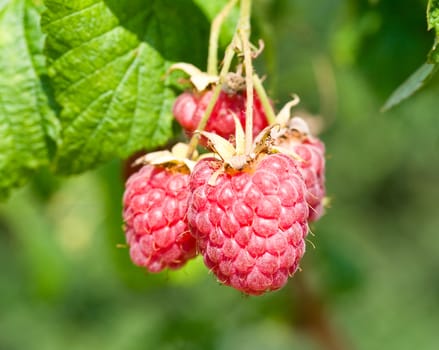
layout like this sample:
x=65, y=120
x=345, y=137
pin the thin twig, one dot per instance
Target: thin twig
x=202, y=124
x=249, y=90
x=228, y=58
x=266, y=105
x=215, y=29
x=244, y=30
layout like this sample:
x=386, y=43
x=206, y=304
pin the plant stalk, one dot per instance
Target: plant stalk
x=249, y=92
x=244, y=29
x=202, y=124
x=215, y=30
x=266, y=105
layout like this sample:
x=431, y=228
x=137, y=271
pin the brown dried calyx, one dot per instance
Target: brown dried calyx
x=175, y=159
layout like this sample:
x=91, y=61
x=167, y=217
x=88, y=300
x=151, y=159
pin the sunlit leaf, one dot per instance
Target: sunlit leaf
x=108, y=63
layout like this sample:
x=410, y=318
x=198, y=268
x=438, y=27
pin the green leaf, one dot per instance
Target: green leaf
x=27, y=123
x=410, y=86
x=212, y=8
x=433, y=23
x=108, y=63
x=433, y=15
x=424, y=73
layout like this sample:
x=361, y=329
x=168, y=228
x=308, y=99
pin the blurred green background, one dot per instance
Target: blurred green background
x=370, y=277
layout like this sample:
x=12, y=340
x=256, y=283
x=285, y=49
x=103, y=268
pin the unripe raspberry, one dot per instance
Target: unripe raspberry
x=189, y=108
x=154, y=212
x=251, y=224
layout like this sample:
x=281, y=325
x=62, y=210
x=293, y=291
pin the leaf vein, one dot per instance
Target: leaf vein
x=133, y=119
x=105, y=117
x=72, y=14
x=71, y=124
x=87, y=76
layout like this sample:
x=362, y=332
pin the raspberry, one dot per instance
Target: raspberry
x=310, y=155
x=190, y=107
x=155, y=206
x=251, y=225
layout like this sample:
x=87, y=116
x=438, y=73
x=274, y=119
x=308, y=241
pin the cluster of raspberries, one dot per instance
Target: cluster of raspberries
x=249, y=224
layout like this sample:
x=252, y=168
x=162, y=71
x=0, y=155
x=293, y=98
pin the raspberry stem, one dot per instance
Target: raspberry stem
x=241, y=36
x=244, y=17
x=243, y=31
x=215, y=29
x=266, y=105
x=227, y=61
x=249, y=90
x=202, y=124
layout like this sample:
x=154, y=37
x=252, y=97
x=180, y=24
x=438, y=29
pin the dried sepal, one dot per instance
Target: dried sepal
x=257, y=50
x=263, y=142
x=233, y=83
x=300, y=125
x=176, y=158
x=234, y=157
x=287, y=151
x=214, y=176
x=290, y=127
x=219, y=145
x=239, y=136
x=180, y=150
x=199, y=79
x=284, y=115
x=208, y=155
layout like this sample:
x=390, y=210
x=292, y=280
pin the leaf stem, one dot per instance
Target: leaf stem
x=266, y=105
x=215, y=29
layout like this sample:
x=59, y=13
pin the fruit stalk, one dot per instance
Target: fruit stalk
x=227, y=61
x=244, y=30
x=244, y=17
x=249, y=92
x=212, y=60
x=262, y=94
x=202, y=124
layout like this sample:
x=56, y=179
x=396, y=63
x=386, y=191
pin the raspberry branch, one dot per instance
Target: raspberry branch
x=212, y=70
x=228, y=58
x=240, y=44
x=244, y=30
x=266, y=105
x=202, y=124
x=227, y=62
x=212, y=60
x=249, y=88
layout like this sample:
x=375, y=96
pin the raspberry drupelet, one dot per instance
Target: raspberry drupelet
x=250, y=225
x=154, y=212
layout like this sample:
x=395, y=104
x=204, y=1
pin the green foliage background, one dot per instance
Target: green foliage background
x=64, y=283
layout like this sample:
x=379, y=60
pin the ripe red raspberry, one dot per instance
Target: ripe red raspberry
x=189, y=109
x=155, y=207
x=310, y=155
x=251, y=225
